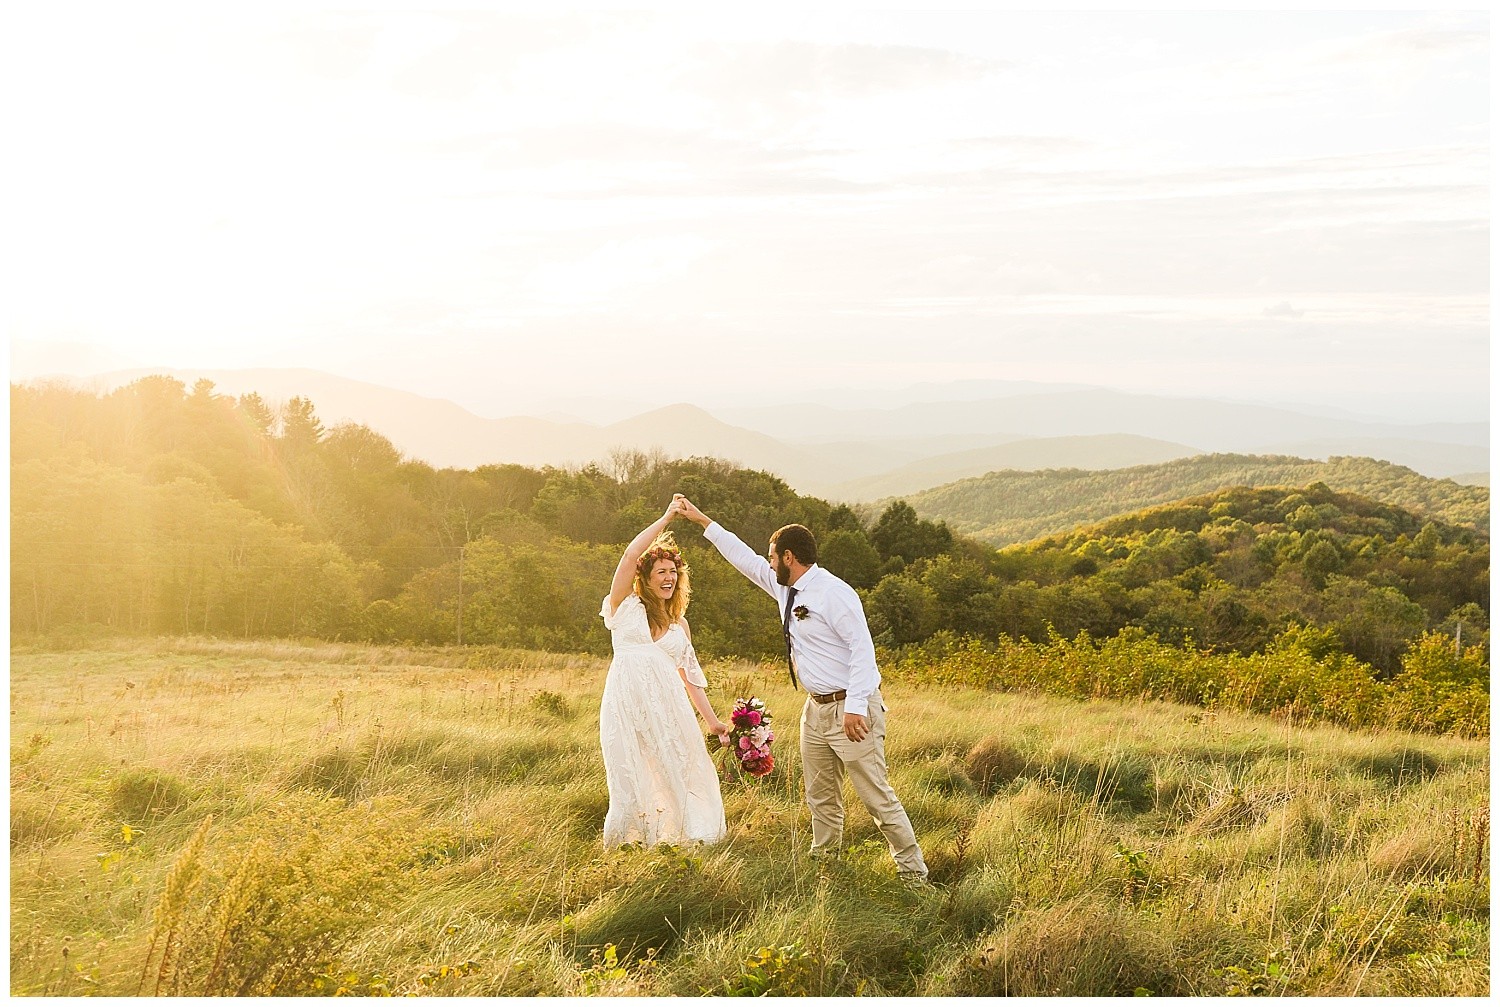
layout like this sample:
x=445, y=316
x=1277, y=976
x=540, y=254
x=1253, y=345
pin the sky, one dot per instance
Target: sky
x=508, y=210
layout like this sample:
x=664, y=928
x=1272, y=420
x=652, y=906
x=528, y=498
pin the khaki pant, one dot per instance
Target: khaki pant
x=826, y=755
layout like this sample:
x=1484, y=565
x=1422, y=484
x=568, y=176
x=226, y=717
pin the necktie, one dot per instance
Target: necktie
x=786, y=631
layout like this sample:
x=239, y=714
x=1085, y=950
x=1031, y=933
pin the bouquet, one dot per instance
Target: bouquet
x=751, y=737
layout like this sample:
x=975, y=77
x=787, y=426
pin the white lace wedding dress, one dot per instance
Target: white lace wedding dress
x=662, y=783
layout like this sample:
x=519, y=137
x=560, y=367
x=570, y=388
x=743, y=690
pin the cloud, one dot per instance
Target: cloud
x=607, y=142
x=730, y=185
x=776, y=84
x=618, y=266
x=481, y=56
x=482, y=50
x=1283, y=310
x=1038, y=146
x=850, y=69
x=1419, y=41
x=605, y=160
x=327, y=46
x=1446, y=183
x=1350, y=68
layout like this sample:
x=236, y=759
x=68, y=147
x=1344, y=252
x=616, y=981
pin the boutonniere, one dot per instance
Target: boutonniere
x=800, y=612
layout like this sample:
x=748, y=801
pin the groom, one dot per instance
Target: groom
x=831, y=653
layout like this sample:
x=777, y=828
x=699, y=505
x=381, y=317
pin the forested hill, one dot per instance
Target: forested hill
x=1232, y=570
x=159, y=509
x=1014, y=506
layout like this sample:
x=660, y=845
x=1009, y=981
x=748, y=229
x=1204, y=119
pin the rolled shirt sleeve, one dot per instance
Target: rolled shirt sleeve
x=864, y=677
x=833, y=648
x=744, y=559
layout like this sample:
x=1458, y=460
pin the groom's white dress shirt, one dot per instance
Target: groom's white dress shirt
x=831, y=645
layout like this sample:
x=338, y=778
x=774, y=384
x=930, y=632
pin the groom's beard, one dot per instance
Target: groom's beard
x=783, y=573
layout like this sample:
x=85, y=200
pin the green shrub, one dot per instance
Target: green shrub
x=1436, y=692
x=551, y=704
x=1399, y=765
x=671, y=895
x=37, y=819
x=784, y=971
x=143, y=794
x=992, y=763
x=1074, y=949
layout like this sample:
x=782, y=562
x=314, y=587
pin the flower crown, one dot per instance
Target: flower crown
x=661, y=552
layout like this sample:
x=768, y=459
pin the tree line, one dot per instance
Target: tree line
x=1230, y=571
x=166, y=509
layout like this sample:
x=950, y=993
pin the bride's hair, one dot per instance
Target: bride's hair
x=662, y=614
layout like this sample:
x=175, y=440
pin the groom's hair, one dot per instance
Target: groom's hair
x=797, y=540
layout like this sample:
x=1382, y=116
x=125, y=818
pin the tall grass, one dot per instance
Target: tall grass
x=198, y=817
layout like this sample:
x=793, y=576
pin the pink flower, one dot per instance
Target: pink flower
x=752, y=717
x=745, y=743
x=754, y=754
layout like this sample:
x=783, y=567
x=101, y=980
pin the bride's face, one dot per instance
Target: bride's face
x=663, y=579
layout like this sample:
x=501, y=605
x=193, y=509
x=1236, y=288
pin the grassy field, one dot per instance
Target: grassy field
x=200, y=816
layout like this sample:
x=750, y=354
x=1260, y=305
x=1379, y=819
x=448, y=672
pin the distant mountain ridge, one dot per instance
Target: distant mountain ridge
x=446, y=435
x=1002, y=508
x=1211, y=424
x=1097, y=451
x=861, y=454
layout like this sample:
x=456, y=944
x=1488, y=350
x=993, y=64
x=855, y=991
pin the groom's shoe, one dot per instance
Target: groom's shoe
x=913, y=879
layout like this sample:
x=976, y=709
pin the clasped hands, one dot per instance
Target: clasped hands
x=681, y=506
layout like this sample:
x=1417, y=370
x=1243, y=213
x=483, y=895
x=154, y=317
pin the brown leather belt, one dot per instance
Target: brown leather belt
x=832, y=697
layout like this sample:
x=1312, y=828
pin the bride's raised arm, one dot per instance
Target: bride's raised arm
x=625, y=572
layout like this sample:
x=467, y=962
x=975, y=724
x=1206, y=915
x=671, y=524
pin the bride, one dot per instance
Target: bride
x=662, y=784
